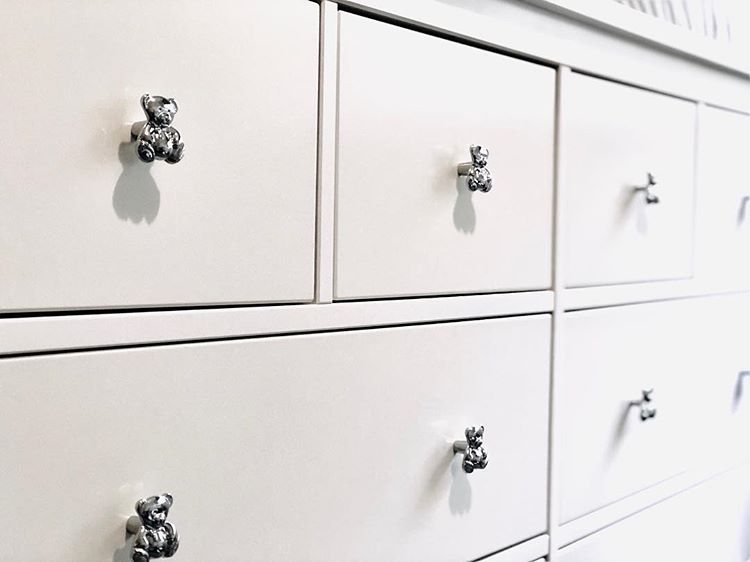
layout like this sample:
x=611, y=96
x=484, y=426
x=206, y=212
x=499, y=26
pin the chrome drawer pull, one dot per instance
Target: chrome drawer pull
x=155, y=537
x=475, y=457
x=651, y=197
x=478, y=176
x=155, y=138
x=646, y=412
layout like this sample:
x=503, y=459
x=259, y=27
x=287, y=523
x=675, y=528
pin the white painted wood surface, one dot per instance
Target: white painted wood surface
x=633, y=293
x=283, y=446
x=611, y=355
x=722, y=232
x=722, y=431
x=616, y=136
x=522, y=552
x=405, y=223
x=55, y=333
x=327, y=146
x=288, y=406
x=662, y=33
x=87, y=225
x=715, y=342
x=709, y=522
x=558, y=314
x=614, y=513
x=521, y=27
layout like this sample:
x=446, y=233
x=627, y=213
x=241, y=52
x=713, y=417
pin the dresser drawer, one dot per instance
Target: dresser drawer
x=86, y=224
x=614, y=137
x=406, y=224
x=723, y=199
x=708, y=523
x=612, y=356
x=290, y=448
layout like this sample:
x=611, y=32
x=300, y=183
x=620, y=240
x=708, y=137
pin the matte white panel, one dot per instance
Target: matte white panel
x=410, y=106
x=723, y=200
x=55, y=333
x=708, y=523
x=582, y=43
x=611, y=355
x=616, y=135
x=297, y=448
x=85, y=224
x=723, y=428
x=524, y=551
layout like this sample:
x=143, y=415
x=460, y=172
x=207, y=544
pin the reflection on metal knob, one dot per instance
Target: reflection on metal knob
x=478, y=176
x=155, y=537
x=155, y=138
x=475, y=457
x=644, y=405
x=651, y=197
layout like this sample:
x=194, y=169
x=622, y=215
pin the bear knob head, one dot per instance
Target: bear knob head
x=153, y=511
x=159, y=110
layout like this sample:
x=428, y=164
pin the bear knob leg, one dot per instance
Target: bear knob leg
x=176, y=154
x=146, y=151
x=140, y=555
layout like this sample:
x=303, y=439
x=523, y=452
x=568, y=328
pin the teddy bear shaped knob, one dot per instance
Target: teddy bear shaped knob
x=647, y=411
x=651, y=197
x=155, y=537
x=476, y=172
x=155, y=138
x=475, y=457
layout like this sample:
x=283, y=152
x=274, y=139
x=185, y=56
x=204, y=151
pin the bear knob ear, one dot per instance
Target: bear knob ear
x=169, y=500
x=139, y=505
x=174, y=103
x=144, y=101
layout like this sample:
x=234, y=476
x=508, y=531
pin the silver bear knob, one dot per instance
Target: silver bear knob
x=155, y=138
x=644, y=405
x=155, y=537
x=475, y=457
x=651, y=197
x=478, y=176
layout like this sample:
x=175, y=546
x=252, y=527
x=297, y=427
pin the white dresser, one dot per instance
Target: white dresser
x=437, y=280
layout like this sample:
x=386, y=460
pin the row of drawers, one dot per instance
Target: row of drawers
x=87, y=225
x=294, y=447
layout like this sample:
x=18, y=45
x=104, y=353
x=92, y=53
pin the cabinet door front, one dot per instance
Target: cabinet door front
x=317, y=447
x=84, y=223
x=627, y=184
x=410, y=107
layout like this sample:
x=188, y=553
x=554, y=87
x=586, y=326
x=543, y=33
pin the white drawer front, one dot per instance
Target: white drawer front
x=610, y=356
x=86, y=224
x=614, y=136
x=297, y=448
x=723, y=200
x=722, y=430
x=708, y=523
x=406, y=225
x=737, y=379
